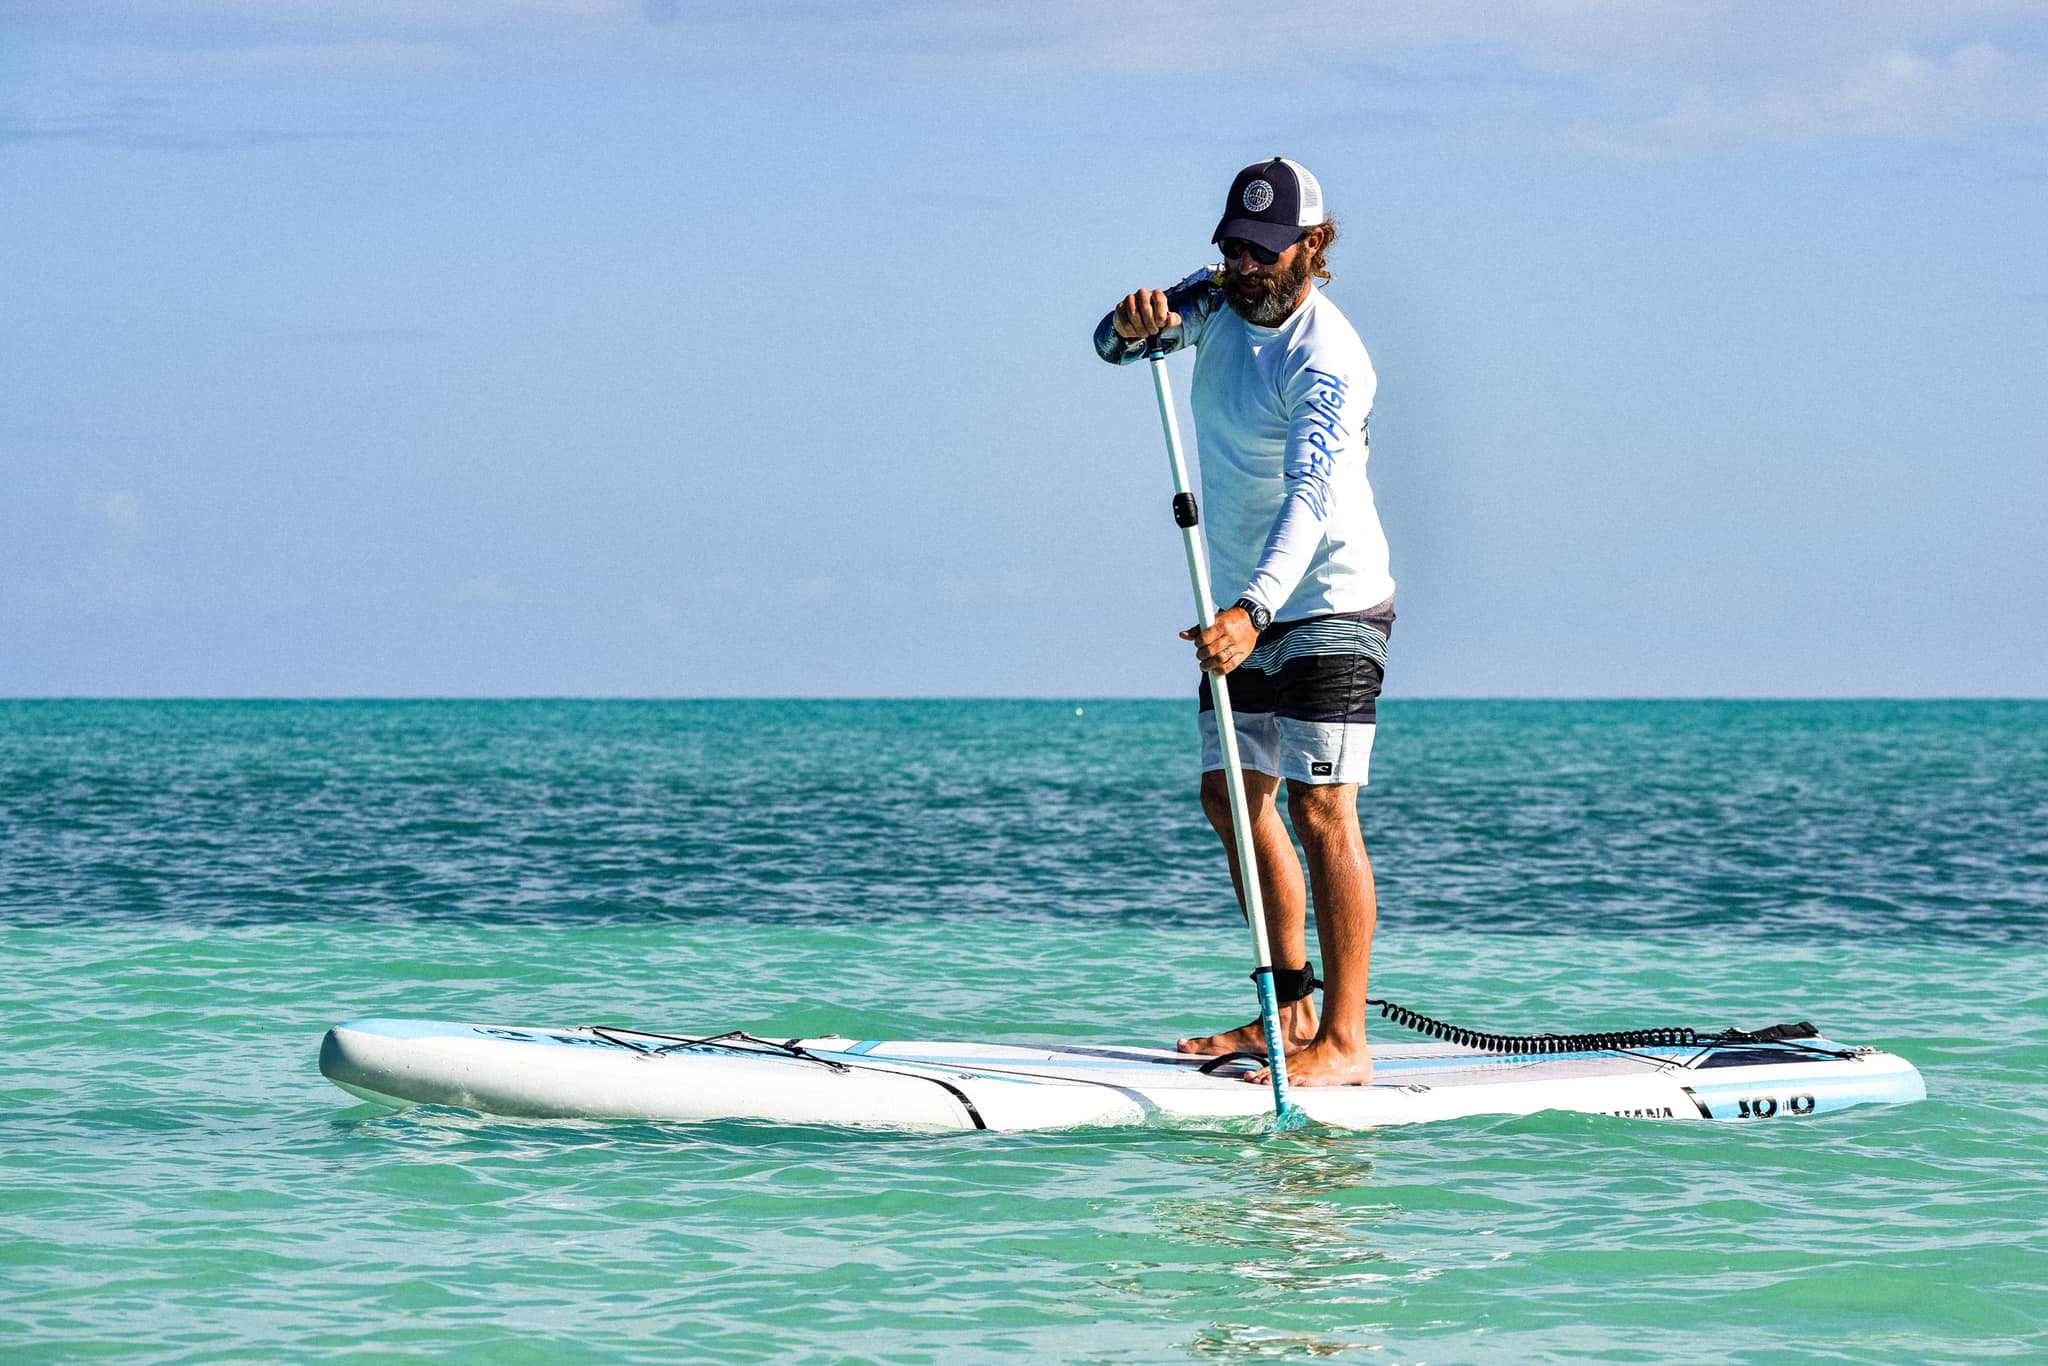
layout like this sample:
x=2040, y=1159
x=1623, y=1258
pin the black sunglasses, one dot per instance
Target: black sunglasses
x=1234, y=247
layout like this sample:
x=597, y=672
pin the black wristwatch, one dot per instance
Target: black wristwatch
x=1261, y=618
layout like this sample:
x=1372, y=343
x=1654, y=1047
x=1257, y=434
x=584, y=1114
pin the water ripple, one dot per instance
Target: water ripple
x=1841, y=818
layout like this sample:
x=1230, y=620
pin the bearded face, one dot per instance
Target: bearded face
x=1267, y=296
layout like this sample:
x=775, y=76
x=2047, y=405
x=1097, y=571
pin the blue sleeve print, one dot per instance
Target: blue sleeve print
x=1195, y=299
x=1315, y=439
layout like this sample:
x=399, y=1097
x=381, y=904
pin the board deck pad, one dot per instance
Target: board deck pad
x=595, y=1072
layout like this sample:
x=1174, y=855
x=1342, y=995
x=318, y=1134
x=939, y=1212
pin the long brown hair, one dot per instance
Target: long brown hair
x=1319, y=264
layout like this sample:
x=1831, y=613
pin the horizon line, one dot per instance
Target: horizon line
x=1066, y=700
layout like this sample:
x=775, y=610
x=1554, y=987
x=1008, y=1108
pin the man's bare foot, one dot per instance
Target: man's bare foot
x=1324, y=1063
x=1297, y=1024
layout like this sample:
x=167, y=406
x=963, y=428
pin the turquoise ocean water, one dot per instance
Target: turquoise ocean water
x=190, y=893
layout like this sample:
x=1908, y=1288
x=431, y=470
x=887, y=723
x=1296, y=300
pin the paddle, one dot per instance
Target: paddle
x=1188, y=518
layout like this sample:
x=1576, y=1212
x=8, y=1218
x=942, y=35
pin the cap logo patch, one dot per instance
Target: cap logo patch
x=1258, y=196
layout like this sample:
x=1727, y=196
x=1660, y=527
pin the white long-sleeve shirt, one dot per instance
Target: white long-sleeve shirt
x=1280, y=414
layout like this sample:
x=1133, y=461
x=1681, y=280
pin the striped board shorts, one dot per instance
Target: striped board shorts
x=1304, y=699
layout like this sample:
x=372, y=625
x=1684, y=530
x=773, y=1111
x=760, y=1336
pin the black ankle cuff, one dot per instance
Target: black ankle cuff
x=1292, y=984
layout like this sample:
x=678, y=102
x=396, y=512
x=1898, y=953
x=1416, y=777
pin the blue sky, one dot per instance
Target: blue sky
x=657, y=348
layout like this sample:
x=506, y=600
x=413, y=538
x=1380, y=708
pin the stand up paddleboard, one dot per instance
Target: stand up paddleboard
x=594, y=1072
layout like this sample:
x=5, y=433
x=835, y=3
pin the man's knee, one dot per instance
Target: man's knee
x=1260, y=790
x=1327, y=811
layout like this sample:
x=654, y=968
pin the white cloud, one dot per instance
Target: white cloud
x=107, y=572
x=115, y=513
x=1897, y=93
x=1609, y=77
x=113, y=573
x=1977, y=84
x=275, y=63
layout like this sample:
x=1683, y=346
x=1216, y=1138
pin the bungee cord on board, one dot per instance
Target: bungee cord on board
x=1656, y=1036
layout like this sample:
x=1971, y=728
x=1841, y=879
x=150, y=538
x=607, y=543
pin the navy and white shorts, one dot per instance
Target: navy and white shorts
x=1304, y=699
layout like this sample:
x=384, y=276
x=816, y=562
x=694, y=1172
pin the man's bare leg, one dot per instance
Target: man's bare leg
x=1286, y=905
x=1340, y=875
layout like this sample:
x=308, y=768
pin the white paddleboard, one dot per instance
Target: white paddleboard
x=594, y=1072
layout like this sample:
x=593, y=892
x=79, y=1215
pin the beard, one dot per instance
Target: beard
x=1267, y=300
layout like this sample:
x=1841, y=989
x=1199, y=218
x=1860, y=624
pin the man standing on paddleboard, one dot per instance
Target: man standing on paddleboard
x=1282, y=389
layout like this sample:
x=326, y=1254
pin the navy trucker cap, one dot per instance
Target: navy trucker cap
x=1271, y=203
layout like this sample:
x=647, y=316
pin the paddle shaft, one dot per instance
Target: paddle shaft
x=1188, y=517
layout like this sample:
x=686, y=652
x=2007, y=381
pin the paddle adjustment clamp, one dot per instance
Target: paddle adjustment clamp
x=1292, y=984
x=1185, y=514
